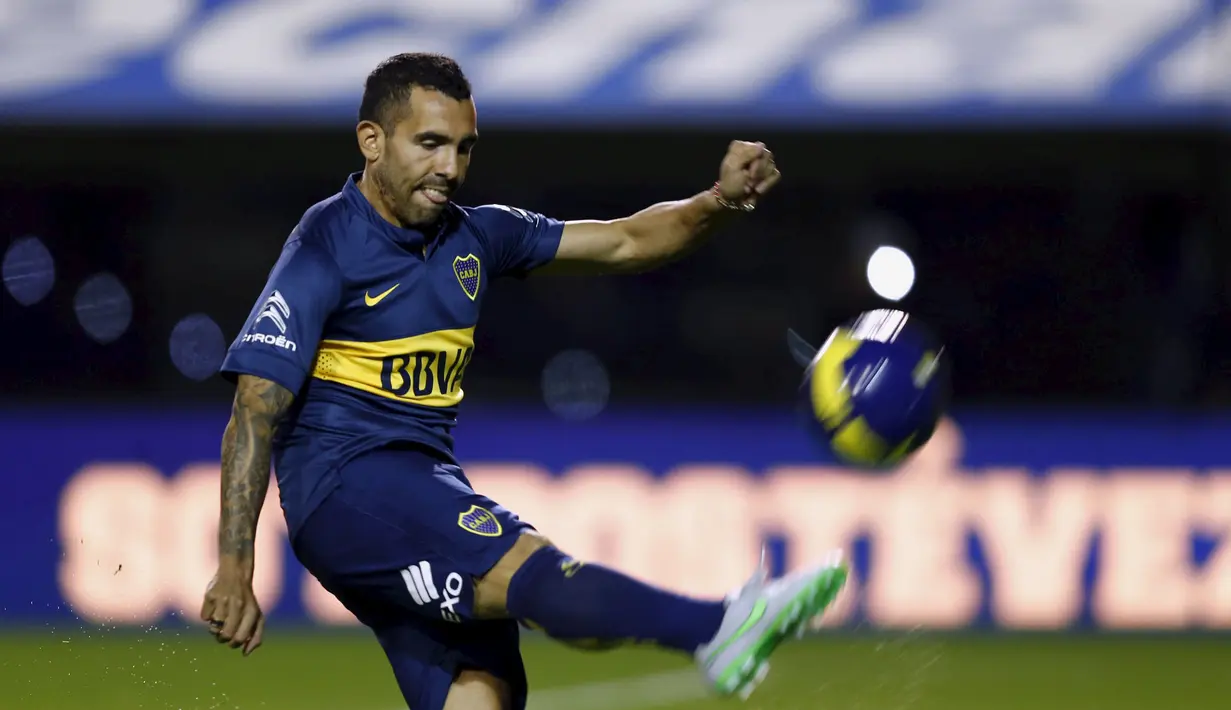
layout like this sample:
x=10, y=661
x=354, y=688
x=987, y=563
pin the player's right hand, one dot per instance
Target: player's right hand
x=231, y=610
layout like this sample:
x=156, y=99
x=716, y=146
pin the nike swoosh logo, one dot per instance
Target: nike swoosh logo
x=758, y=611
x=371, y=300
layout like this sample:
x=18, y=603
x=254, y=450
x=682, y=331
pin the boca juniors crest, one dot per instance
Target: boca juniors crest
x=480, y=521
x=466, y=268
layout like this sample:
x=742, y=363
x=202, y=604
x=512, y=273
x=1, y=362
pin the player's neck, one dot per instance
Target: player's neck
x=367, y=188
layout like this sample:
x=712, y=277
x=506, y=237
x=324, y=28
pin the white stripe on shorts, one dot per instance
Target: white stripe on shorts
x=410, y=585
x=426, y=567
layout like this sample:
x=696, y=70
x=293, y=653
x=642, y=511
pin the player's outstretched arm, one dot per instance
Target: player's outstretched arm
x=230, y=605
x=666, y=231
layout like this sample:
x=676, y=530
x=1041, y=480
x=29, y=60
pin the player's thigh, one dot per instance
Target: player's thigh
x=472, y=665
x=491, y=591
x=478, y=690
x=408, y=531
x=443, y=666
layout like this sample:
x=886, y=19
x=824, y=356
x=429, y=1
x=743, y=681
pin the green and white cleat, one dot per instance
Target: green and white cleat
x=760, y=616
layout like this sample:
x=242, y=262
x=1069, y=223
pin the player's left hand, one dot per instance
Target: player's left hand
x=747, y=173
x=232, y=611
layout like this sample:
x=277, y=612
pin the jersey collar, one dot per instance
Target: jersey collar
x=411, y=238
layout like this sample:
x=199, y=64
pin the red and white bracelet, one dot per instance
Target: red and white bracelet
x=723, y=202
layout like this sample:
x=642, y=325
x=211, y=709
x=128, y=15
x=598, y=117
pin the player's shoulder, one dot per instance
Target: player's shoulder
x=497, y=215
x=325, y=225
x=337, y=228
x=496, y=221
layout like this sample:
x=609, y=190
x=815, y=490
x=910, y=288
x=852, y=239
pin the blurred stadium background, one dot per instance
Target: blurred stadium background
x=1057, y=173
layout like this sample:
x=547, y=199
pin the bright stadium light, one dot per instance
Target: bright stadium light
x=891, y=273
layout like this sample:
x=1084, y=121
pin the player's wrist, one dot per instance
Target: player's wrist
x=234, y=564
x=727, y=204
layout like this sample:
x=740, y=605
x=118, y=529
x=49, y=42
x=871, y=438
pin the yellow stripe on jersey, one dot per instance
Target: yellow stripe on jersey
x=422, y=369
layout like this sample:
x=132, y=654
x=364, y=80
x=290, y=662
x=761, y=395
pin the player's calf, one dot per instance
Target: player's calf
x=589, y=605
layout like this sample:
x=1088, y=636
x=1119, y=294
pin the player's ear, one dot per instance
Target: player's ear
x=371, y=139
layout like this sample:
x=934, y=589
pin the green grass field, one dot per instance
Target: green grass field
x=180, y=668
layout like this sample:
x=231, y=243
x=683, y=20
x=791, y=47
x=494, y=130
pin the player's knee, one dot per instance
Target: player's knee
x=492, y=589
x=478, y=690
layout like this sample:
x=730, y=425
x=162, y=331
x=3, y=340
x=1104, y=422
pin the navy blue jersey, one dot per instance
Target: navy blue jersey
x=372, y=327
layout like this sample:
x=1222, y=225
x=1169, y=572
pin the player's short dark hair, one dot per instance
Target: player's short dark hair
x=387, y=89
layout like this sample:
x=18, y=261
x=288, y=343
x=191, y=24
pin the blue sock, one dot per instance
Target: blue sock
x=591, y=605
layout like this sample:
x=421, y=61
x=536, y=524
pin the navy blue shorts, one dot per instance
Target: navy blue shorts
x=400, y=543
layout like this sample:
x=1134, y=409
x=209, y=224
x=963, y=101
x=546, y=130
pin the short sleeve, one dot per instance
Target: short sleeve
x=517, y=240
x=279, y=339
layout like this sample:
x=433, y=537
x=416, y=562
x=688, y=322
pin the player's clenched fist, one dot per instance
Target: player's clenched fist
x=232, y=612
x=747, y=172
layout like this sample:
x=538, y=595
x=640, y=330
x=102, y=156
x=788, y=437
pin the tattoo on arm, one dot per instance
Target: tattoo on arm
x=259, y=407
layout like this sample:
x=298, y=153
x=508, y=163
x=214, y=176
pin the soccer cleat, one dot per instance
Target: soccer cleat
x=759, y=617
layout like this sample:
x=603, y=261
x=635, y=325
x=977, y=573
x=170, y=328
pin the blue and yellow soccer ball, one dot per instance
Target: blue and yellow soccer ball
x=875, y=392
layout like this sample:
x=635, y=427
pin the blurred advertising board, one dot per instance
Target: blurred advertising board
x=1048, y=521
x=625, y=62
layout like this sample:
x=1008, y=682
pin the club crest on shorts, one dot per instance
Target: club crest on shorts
x=480, y=521
x=466, y=268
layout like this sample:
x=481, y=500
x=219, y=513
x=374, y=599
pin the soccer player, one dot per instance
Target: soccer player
x=348, y=376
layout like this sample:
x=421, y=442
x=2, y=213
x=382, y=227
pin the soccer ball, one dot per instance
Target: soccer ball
x=875, y=391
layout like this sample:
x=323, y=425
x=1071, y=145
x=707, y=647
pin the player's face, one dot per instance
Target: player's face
x=426, y=157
